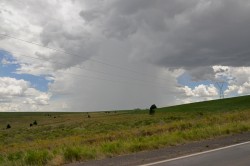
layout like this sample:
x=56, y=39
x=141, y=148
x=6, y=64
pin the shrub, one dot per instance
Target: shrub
x=8, y=126
x=152, y=109
x=35, y=122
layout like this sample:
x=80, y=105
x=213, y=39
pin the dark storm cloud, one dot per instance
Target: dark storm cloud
x=217, y=35
x=180, y=33
x=202, y=73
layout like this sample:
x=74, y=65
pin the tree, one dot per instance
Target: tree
x=35, y=122
x=8, y=126
x=152, y=109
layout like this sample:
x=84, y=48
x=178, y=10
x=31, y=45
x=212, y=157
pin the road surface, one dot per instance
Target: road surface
x=235, y=155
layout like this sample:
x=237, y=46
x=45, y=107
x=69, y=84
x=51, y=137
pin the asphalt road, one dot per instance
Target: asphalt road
x=235, y=155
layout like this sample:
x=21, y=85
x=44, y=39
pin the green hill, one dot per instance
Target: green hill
x=228, y=104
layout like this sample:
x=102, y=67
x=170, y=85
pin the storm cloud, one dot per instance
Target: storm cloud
x=180, y=34
x=142, y=45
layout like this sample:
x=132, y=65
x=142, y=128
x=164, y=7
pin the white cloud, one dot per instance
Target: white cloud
x=200, y=91
x=238, y=90
x=245, y=88
x=18, y=95
x=238, y=79
x=12, y=87
x=6, y=62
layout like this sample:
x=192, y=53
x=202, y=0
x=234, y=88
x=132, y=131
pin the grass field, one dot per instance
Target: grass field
x=61, y=138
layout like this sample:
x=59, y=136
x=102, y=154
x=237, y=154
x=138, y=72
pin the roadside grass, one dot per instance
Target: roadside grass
x=61, y=138
x=37, y=157
x=72, y=154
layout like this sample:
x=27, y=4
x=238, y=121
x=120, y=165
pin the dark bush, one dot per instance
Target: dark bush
x=152, y=109
x=31, y=124
x=35, y=122
x=8, y=126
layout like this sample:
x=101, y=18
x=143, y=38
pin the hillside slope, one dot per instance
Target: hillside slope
x=227, y=104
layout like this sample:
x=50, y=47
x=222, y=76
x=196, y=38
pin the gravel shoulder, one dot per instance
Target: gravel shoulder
x=168, y=152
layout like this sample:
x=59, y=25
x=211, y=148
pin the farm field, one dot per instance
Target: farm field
x=60, y=138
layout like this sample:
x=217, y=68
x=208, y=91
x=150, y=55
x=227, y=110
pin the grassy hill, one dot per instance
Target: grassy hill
x=60, y=138
x=228, y=104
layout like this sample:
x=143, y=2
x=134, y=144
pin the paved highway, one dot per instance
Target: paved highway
x=234, y=155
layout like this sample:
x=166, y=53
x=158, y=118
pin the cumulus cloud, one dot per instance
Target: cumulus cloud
x=12, y=87
x=238, y=79
x=201, y=91
x=18, y=95
x=198, y=93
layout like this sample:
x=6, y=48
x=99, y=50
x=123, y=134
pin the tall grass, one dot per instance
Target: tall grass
x=72, y=154
x=37, y=157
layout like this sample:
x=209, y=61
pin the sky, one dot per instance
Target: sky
x=96, y=55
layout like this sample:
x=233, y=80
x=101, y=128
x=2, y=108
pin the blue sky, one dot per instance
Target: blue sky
x=9, y=70
x=186, y=80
